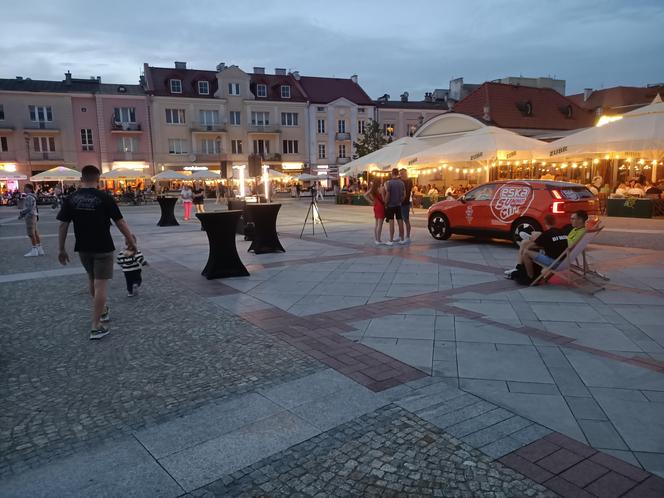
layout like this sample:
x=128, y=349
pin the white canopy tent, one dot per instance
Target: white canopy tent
x=306, y=177
x=168, y=176
x=388, y=156
x=205, y=175
x=57, y=174
x=124, y=174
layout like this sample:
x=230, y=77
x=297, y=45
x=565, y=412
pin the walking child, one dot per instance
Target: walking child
x=131, y=261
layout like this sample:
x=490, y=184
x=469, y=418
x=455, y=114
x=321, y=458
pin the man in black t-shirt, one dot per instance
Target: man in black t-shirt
x=92, y=210
x=405, y=204
x=553, y=241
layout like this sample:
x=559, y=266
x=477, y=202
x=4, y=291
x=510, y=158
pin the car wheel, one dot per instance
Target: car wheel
x=439, y=226
x=527, y=225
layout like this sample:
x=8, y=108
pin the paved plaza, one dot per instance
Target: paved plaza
x=337, y=368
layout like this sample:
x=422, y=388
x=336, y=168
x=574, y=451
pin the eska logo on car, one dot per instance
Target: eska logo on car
x=504, y=208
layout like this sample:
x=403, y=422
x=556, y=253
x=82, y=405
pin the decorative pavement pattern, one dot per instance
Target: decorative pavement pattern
x=223, y=387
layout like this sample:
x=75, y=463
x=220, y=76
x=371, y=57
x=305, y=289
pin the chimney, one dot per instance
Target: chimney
x=68, y=78
x=180, y=65
x=354, y=78
x=280, y=71
x=221, y=66
x=487, y=113
x=259, y=70
x=587, y=92
x=296, y=75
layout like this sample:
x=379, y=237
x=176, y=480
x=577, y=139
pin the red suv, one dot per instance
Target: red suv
x=504, y=208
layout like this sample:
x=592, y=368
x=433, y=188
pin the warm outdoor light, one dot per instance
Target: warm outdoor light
x=266, y=179
x=241, y=169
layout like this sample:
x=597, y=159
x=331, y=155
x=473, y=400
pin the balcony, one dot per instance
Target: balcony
x=198, y=127
x=343, y=160
x=342, y=136
x=129, y=156
x=264, y=128
x=8, y=157
x=120, y=127
x=42, y=127
x=46, y=157
x=202, y=157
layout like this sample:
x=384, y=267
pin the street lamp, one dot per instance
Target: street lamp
x=222, y=171
x=26, y=137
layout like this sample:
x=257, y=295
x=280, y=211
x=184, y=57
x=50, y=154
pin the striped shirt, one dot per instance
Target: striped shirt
x=131, y=262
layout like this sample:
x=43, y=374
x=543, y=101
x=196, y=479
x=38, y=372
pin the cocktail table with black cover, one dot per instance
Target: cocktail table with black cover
x=235, y=204
x=264, y=217
x=223, y=260
x=167, y=206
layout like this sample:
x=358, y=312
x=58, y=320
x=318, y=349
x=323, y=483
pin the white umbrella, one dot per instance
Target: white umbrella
x=273, y=173
x=124, y=174
x=205, y=175
x=58, y=174
x=306, y=177
x=167, y=176
x=389, y=155
x=484, y=144
x=6, y=176
x=641, y=131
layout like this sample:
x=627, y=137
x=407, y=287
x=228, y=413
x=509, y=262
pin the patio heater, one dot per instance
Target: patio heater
x=266, y=181
x=241, y=169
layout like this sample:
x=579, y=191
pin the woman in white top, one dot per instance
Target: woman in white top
x=187, y=197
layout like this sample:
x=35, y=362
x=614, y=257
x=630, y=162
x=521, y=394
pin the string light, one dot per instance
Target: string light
x=595, y=161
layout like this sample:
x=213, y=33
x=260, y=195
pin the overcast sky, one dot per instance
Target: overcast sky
x=393, y=46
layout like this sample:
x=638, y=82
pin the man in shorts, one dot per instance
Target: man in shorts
x=395, y=194
x=92, y=210
x=405, y=205
x=30, y=213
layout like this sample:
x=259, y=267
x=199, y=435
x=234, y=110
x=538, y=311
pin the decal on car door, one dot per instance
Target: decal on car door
x=511, y=201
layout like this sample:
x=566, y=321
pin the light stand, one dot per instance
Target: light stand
x=315, y=215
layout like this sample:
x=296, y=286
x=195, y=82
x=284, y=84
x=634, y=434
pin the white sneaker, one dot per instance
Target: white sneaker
x=403, y=242
x=525, y=236
x=406, y=240
x=510, y=271
x=389, y=243
x=40, y=251
x=378, y=242
x=33, y=252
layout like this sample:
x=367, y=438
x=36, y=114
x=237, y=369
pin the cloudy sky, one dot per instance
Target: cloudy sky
x=393, y=46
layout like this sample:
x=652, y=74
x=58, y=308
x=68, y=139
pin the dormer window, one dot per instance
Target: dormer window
x=526, y=107
x=261, y=90
x=233, y=89
x=203, y=88
x=285, y=91
x=176, y=86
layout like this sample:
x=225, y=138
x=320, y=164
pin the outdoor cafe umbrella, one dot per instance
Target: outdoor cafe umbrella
x=11, y=176
x=273, y=174
x=170, y=176
x=488, y=143
x=124, y=174
x=387, y=156
x=58, y=174
x=306, y=177
x=205, y=175
x=640, y=131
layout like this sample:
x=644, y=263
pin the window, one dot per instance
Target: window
x=360, y=110
x=361, y=126
x=86, y=139
x=236, y=146
x=3, y=144
x=2, y=112
x=341, y=126
x=43, y=144
x=321, y=151
x=124, y=115
x=177, y=146
x=483, y=193
x=40, y=114
x=290, y=147
x=259, y=118
x=235, y=117
x=208, y=117
x=289, y=118
x=175, y=116
x=176, y=86
x=209, y=146
x=261, y=146
x=203, y=88
x=320, y=109
x=285, y=91
x=261, y=90
x=127, y=144
x=342, y=150
x=321, y=126
x=234, y=89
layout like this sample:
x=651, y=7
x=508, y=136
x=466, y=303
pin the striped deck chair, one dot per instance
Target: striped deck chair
x=572, y=265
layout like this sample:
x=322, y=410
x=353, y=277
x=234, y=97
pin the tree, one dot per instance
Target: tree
x=370, y=141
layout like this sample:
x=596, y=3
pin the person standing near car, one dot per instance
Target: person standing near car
x=406, y=204
x=30, y=213
x=92, y=210
x=395, y=193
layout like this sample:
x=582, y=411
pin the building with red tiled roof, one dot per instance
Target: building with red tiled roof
x=616, y=100
x=537, y=112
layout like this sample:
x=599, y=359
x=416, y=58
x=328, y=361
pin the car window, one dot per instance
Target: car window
x=482, y=193
x=576, y=193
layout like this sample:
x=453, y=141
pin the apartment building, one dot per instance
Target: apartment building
x=402, y=118
x=72, y=122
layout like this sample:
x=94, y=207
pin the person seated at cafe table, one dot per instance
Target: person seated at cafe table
x=636, y=189
x=433, y=191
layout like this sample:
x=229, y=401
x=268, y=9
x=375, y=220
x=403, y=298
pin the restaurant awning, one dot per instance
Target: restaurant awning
x=389, y=156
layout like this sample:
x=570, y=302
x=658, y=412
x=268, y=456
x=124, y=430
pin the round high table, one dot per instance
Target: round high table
x=167, y=206
x=234, y=204
x=264, y=217
x=223, y=260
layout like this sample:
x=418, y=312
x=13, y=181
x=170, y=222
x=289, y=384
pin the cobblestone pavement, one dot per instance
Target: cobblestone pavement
x=168, y=352
x=389, y=452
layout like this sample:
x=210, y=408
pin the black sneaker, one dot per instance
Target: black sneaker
x=106, y=315
x=99, y=333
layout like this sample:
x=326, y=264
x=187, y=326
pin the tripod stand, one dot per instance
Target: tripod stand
x=315, y=216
